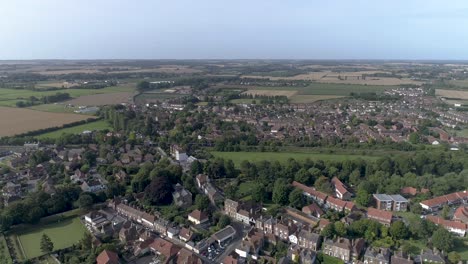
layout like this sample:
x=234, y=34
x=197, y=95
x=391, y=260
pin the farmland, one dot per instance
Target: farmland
x=452, y=94
x=63, y=234
x=9, y=97
x=287, y=93
x=101, y=99
x=238, y=157
x=97, y=125
x=27, y=120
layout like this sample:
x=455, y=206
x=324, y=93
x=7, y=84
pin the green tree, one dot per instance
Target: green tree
x=281, y=191
x=398, y=230
x=202, y=202
x=443, y=240
x=414, y=138
x=454, y=257
x=363, y=198
x=445, y=212
x=259, y=193
x=296, y=198
x=340, y=229
x=328, y=231
x=224, y=221
x=85, y=201
x=46, y=244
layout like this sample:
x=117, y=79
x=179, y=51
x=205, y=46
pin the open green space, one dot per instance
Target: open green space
x=63, y=234
x=97, y=125
x=4, y=253
x=9, y=97
x=55, y=108
x=461, y=247
x=331, y=260
x=238, y=157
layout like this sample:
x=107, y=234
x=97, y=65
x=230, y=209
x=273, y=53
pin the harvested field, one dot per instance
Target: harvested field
x=62, y=72
x=342, y=78
x=27, y=120
x=305, y=99
x=270, y=92
x=452, y=94
x=101, y=99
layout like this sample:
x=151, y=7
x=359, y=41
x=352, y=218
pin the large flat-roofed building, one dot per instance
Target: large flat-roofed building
x=394, y=202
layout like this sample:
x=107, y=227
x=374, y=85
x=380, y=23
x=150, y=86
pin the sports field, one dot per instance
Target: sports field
x=238, y=157
x=97, y=125
x=63, y=234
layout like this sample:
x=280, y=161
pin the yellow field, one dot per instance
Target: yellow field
x=453, y=94
x=270, y=92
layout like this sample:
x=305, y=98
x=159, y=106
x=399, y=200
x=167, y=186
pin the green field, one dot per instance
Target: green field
x=331, y=260
x=4, y=253
x=9, y=97
x=63, y=234
x=238, y=157
x=97, y=125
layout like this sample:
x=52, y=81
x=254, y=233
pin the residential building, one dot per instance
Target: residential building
x=381, y=216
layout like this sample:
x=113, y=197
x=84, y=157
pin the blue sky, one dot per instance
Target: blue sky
x=233, y=29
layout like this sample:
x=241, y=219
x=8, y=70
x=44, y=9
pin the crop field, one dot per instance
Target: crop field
x=101, y=99
x=287, y=93
x=238, y=157
x=452, y=94
x=55, y=108
x=9, y=97
x=27, y=120
x=342, y=78
x=63, y=234
x=97, y=125
x=459, y=83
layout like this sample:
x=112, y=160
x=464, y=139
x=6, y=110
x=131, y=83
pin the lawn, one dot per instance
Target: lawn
x=238, y=157
x=331, y=260
x=461, y=247
x=63, y=234
x=4, y=253
x=97, y=125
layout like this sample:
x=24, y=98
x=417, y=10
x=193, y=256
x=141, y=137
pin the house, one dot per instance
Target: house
x=128, y=232
x=401, y=258
x=307, y=256
x=224, y=235
x=78, y=176
x=461, y=214
x=387, y=202
x=96, y=220
x=92, y=186
x=161, y=225
x=204, y=184
x=181, y=196
x=311, y=193
x=381, y=216
x=178, y=153
x=341, y=191
x=251, y=245
x=284, y=229
x=185, y=234
x=455, y=227
x=231, y=259
x=313, y=209
x=244, y=212
x=185, y=256
x=107, y=257
x=430, y=257
x=164, y=248
x=341, y=248
x=309, y=240
x=377, y=256
x=438, y=202
x=197, y=217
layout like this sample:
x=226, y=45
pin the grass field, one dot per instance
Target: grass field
x=331, y=260
x=63, y=234
x=238, y=157
x=54, y=108
x=304, y=99
x=9, y=97
x=452, y=94
x=97, y=125
x=4, y=253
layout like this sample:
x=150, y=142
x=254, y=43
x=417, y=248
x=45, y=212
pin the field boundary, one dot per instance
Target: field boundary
x=23, y=252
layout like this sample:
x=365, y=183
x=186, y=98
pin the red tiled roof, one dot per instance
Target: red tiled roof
x=336, y=202
x=447, y=223
x=461, y=214
x=107, y=257
x=379, y=215
x=409, y=190
x=199, y=215
x=339, y=185
x=310, y=190
x=440, y=200
x=164, y=247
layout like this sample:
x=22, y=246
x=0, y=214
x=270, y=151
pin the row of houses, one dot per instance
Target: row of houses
x=438, y=202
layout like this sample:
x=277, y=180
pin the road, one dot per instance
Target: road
x=241, y=231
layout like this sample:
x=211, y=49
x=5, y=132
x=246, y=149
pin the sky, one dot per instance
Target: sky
x=234, y=29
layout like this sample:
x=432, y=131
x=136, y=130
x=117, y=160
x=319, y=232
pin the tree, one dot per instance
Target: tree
x=46, y=244
x=281, y=192
x=340, y=229
x=398, y=230
x=259, y=193
x=143, y=86
x=445, y=212
x=296, y=198
x=224, y=221
x=85, y=201
x=442, y=239
x=363, y=198
x=454, y=257
x=322, y=184
x=159, y=192
x=328, y=231
x=202, y=202
x=414, y=138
